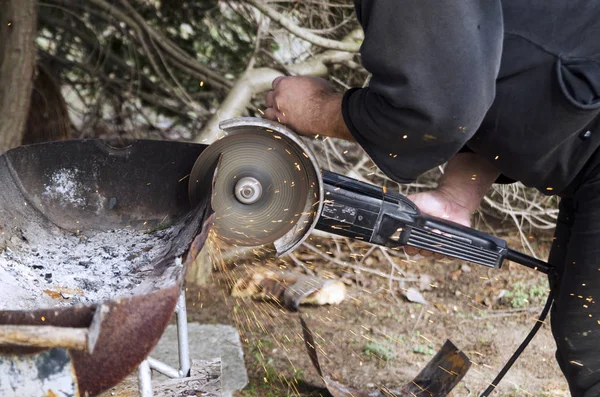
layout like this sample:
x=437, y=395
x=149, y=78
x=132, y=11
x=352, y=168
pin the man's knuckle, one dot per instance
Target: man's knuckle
x=278, y=81
x=285, y=82
x=269, y=113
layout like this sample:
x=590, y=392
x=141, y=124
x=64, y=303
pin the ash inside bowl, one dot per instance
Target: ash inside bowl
x=43, y=270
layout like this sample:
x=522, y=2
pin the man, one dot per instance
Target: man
x=501, y=90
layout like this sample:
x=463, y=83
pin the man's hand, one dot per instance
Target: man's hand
x=466, y=180
x=307, y=105
x=440, y=204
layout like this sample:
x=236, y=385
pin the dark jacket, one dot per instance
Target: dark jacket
x=516, y=81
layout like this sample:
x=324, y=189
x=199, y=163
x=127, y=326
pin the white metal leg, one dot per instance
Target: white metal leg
x=145, y=379
x=183, y=347
x=182, y=336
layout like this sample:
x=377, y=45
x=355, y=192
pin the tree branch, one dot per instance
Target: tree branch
x=345, y=45
x=116, y=86
x=93, y=46
x=195, y=68
x=167, y=45
x=259, y=80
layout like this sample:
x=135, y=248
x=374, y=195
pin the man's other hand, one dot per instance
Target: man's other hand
x=442, y=205
x=307, y=105
x=466, y=179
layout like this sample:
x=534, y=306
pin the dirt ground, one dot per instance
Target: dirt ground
x=377, y=337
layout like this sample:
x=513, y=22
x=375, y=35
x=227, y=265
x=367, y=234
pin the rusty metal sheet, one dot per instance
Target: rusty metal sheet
x=437, y=379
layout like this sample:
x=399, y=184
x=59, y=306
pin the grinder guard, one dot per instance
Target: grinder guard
x=249, y=181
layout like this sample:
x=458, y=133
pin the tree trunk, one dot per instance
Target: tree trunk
x=18, y=26
x=48, y=118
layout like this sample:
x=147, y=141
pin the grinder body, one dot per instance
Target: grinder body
x=340, y=205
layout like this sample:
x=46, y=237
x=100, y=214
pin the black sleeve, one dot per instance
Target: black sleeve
x=434, y=64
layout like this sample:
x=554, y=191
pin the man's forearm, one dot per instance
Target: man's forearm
x=310, y=107
x=467, y=178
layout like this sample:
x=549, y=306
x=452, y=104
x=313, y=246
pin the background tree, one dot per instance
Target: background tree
x=163, y=69
x=17, y=61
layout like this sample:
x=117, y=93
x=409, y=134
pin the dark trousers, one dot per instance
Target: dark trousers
x=575, y=315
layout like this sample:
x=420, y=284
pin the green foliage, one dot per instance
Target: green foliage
x=250, y=391
x=424, y=349
x=523, y=295
x=379, y=350
x=273, y=383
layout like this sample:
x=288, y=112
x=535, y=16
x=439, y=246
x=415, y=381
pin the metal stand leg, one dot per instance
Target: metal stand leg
x=182, y=336
x=145, y=379
x=146, y=367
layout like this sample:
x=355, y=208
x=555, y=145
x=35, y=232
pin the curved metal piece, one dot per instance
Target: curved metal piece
x=302, y=229
x=67, y=187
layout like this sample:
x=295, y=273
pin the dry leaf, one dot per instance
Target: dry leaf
x=332, y=293
x=501, y=294
x=413, y=295
x=63, y=292
x=425, y=282
x=454, y=275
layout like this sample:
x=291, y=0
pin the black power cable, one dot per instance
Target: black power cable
x=522, y=347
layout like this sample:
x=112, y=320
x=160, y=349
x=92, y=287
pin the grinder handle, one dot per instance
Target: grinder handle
x=365, y=212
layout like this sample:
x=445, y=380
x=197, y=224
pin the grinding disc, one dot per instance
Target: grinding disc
x=260, y=189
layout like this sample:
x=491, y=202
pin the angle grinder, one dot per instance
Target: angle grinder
x=268, y=189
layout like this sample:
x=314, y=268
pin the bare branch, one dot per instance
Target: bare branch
x=116, y=85
x=171, y=48
x=257, y=42
x=354, y=267
x=251, y=82
x=94, y=47
x=349, y=46
x=195, y=68
x=259, y=80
